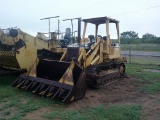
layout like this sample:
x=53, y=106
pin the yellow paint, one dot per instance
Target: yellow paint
x=50, y=94
x=28, y=53
x=67, y=78
x=41, y=92
x=32, y=71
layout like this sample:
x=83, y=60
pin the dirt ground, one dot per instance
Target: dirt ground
x=123, y=92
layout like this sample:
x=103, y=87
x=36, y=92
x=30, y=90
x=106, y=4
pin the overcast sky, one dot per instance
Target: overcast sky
x=141, y=16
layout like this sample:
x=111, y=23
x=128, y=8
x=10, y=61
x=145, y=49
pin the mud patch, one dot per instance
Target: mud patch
x=151, y=107
x=23, y=100
x=36, y=115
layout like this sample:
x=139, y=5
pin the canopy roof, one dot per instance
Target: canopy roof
x=100, y=20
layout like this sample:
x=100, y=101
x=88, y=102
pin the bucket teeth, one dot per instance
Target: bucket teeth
x=59, y=85
x=46, y=91
x=55, y=96
x=52, y=89
x=20, y=84
x=47, y=88
x=31, y=85
x=27, y=83
x=66, y=93
x=20, y=80
x=41, y=89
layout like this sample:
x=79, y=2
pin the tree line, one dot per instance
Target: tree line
x=131, y=37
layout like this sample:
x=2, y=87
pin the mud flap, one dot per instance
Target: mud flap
x=57, y=80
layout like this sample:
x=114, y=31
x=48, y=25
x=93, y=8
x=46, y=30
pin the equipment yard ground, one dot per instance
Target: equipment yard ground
x=136, y=97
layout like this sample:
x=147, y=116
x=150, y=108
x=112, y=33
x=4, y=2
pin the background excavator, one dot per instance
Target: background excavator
x=94, y=62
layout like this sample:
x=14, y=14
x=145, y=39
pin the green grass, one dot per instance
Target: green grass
x=23, y=108
x=5, y=86
x=152, y=88
x=100, y=113
x=22, y=102
x=15, y=104
x=30, y=104
x=144, y=60
x=141, y=47
x=7, y=112
x=150, y=81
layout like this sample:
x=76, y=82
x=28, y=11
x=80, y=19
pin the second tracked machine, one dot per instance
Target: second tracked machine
x=94, y=61
x=18, y=50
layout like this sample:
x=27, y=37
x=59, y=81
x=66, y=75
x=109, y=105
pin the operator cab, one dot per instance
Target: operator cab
x=111, y=46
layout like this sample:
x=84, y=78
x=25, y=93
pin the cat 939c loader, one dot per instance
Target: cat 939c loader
x=94, y=62
x=18, y=50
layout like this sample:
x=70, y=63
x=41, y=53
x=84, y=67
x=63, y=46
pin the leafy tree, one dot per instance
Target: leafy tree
x=129, y=35
x=148, y=36
x=132, y=37
x=158, y=40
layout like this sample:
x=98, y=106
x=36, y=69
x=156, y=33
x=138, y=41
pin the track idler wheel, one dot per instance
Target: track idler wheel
x=121, y=68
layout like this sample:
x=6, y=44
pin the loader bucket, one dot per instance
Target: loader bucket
x=57, y=80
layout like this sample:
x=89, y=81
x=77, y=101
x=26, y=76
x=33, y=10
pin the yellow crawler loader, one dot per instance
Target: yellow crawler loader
x=18, y=50
x=90, y=62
